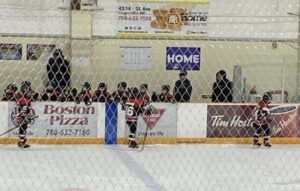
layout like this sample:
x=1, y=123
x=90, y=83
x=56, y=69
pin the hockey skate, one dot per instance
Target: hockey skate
x=23, y=145
x=256, y=142
x=267, y=144
x=132, y=144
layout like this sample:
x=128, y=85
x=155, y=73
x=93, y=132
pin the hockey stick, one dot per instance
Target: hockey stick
x=15, y=127
x=9, y=130
x=150, y=109
x=145, y=137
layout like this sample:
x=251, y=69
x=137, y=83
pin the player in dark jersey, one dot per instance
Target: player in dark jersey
x=120, y=95
x=28, y=92
x=135, y=106
x=143, y=92
x=53, y=93
x=262, y=119
x=10, y=92
x=85, y=94
x=22, y=117
x=101, y=94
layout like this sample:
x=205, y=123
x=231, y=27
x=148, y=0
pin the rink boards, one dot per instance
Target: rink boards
x=100, y=123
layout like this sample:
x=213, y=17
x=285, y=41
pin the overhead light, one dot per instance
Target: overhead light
x=293, y=14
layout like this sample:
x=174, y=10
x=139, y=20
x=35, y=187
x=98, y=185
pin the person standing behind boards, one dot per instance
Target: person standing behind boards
x=222, y=88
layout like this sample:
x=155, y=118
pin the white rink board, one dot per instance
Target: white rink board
x=4, y=117
x=191, y=120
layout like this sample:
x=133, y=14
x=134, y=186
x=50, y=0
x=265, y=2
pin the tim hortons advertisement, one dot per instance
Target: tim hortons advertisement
x=161, y=123
x=181, y=18
x=56, y=119
x=236, y=120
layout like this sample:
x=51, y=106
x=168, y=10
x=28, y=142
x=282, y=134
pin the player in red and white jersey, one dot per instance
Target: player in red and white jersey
x=22, y=117
x=262, y=119
x=134, y=106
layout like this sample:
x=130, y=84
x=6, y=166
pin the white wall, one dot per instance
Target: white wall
x=253, y=18
x=43, y=17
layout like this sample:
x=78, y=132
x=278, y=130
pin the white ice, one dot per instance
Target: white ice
x=158, y=167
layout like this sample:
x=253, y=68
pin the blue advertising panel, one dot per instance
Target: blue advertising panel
x=183, y=58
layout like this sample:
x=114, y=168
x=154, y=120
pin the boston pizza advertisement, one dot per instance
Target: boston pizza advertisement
x=236, y=120
x=182, y=18
x=162, y=122
x=60, y=120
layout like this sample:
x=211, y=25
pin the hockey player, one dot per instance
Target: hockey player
x=86, y=94
x=164, y=96
x=28, y=92
x=10, y=93
x=23, y=116
x=135, y=106
x=120, y=95
x=101, y=94
x=72, y=96
x=262, y=119
x=53, y=93
x=143, y=92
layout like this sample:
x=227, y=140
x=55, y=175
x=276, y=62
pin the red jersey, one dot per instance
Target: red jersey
x=134, y=107
x=145, y=97
x=261, y=113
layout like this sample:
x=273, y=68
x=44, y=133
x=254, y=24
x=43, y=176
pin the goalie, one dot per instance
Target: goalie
x=135, y=106
x=23, y=116
x=262, y=119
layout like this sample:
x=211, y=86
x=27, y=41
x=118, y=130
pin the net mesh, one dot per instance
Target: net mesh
x=99, y=76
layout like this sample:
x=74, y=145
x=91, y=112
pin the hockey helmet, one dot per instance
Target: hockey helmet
x=86, y=86
x=134, y=92
x=267, y=97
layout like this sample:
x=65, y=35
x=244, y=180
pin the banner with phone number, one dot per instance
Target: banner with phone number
x=57, y=119
x=179, y=18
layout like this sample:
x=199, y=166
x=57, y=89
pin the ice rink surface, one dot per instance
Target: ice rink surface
x=159, y=167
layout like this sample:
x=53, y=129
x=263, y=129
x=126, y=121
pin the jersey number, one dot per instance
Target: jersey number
x=130, y=111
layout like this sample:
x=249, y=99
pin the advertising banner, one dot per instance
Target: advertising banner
x=57, y=119
x=10, y=51
x=183, y=58
x=236, y=121
x=164, y=18
x=35, y=51
x=162, y=122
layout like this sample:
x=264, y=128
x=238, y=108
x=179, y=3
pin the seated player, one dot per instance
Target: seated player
x=101, y=94
x=72, y=96
x=23, y=117
x=135, y=106
x=53, y=93
x=121, y=95
x=85, y=94
x=28, y=92
x=144, y=94
x=164, y=96
x=262, y=119
x=9, y=93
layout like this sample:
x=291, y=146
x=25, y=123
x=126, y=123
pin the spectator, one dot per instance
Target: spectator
x=183, y=88
x=10, y=93
x=28, y=92
x=164, y=96
x=121, y=95
x=58, y=69
x=85, y=95
x=73, y=94
x=222, y=88
x=53, y=93
x=144, y=94
x=101, y=94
